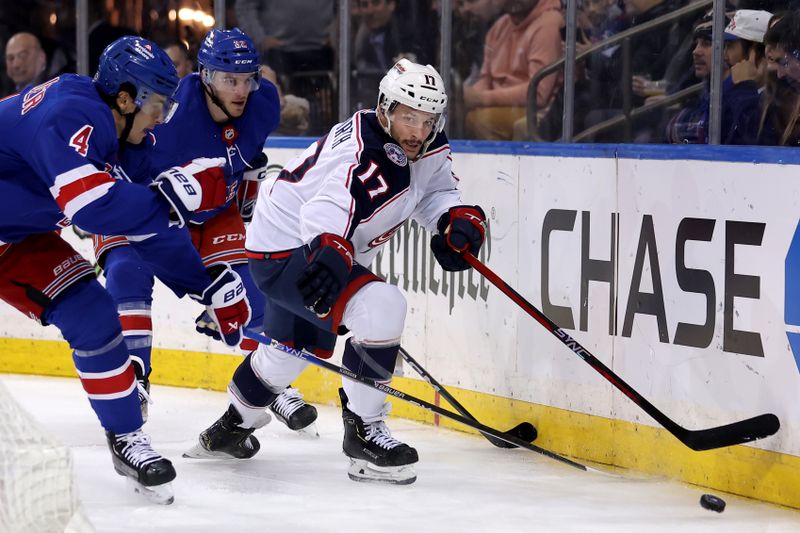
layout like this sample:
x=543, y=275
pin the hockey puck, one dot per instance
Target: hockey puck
x=712, y=503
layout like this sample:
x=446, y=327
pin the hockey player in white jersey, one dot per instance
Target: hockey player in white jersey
x=314, y=232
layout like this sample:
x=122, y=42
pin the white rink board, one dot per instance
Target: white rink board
x=468, y=334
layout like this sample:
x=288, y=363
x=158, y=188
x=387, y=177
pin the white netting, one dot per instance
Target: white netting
x=37, y=489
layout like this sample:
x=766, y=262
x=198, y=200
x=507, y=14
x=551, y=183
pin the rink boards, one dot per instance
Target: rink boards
x=675, y=266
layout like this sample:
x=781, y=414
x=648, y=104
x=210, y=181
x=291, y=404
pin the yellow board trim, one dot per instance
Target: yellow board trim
x=743, y=470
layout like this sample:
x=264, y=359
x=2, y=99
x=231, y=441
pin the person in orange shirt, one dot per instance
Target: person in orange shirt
x=517, y=46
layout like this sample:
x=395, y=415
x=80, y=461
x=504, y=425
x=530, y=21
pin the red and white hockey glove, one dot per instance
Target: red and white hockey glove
x=226, y=306
x=251, y=181
x=330, y=260
x=198, y=185
x=461, y=229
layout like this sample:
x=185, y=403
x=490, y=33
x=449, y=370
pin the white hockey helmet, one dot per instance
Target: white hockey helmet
x=417, y=86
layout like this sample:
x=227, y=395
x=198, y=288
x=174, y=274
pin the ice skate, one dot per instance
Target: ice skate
x=375, y=456
x=226, y=439
x=146, y=471
x=295, y=413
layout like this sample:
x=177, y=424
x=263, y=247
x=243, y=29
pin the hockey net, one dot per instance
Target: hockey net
x=38, y=492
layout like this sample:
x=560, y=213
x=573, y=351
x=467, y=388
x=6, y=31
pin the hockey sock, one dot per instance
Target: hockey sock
x=88, y=321
x=371, y=362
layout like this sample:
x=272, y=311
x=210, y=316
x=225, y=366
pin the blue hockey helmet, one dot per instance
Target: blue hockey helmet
x=228, y=51
x=144, y=65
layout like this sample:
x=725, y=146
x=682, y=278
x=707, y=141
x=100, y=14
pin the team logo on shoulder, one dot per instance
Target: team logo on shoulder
x=396, y=154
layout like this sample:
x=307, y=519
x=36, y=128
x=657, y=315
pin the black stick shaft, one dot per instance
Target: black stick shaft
x=717, y=437
x=308, y=357
x=438, y=387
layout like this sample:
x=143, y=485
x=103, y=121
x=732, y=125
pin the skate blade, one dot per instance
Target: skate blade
x=160, y=494
x=199, y=452
x=309, y=431
x=364, y=472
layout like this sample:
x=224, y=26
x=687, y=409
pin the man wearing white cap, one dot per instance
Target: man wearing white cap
x=744, y=49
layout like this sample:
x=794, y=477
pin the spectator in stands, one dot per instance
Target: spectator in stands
x=471, y=23
x=778, y=123
x=102, y=32
x=740, y=89
x=291, y=36
x=651, y=54
x=25, y=60
x=295, y=111
x=744, y=57
x=179, y=54
x=788, y=51
x=380, y=41
x=522, y=41
x=690, y=124
x=598, y=20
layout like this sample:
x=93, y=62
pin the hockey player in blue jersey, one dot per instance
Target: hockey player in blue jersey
x=63, y=159
x=224, y=110
x=313, y=233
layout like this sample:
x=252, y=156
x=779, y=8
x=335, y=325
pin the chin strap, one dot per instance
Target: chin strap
x=123, y=138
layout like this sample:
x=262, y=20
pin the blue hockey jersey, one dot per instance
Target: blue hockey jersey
x=192, y=133
x=58, y=164
x=56, y=157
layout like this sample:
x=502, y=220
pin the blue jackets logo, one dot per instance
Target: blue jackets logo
x=791, y=304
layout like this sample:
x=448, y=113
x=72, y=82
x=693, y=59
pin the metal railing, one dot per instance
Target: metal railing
x=621, y=37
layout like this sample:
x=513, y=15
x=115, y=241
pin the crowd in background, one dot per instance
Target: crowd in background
x=653, y=89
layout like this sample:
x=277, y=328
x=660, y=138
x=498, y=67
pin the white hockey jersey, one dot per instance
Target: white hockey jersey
x=355, y=182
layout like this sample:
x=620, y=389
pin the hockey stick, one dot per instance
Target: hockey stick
x=486, y=430
x=702, y=439
x=524, y=431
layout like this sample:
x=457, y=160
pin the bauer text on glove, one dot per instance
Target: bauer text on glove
x=226, y=305
x=196, y=186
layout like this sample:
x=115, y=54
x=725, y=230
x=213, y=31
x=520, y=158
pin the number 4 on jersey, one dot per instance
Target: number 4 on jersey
x=80, y=141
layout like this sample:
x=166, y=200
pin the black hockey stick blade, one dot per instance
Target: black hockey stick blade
x=524, y=431
x=739, y=432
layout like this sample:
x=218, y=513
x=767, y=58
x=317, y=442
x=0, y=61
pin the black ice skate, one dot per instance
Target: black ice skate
x=299, y=416
x=375, y=455
x=148, y=472
x=226, y=439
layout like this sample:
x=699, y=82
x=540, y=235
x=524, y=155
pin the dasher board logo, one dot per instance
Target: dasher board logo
x=791, y=305
x=395, y=154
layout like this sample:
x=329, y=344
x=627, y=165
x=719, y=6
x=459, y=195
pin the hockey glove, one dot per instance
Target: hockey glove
x=196, y=186
x=248, y=189
x=226, y=306
x=461, y=229
x=205, y=324
x=330, y=260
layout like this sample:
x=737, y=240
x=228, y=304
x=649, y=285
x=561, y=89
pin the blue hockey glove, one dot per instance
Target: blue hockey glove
x=226, y=306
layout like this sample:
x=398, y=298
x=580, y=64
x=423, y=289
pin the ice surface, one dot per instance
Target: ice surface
x=297, y=483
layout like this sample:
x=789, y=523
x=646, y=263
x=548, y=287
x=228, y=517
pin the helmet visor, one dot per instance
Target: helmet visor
x=232, y=82
x=416, y=119
x=157, y=105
